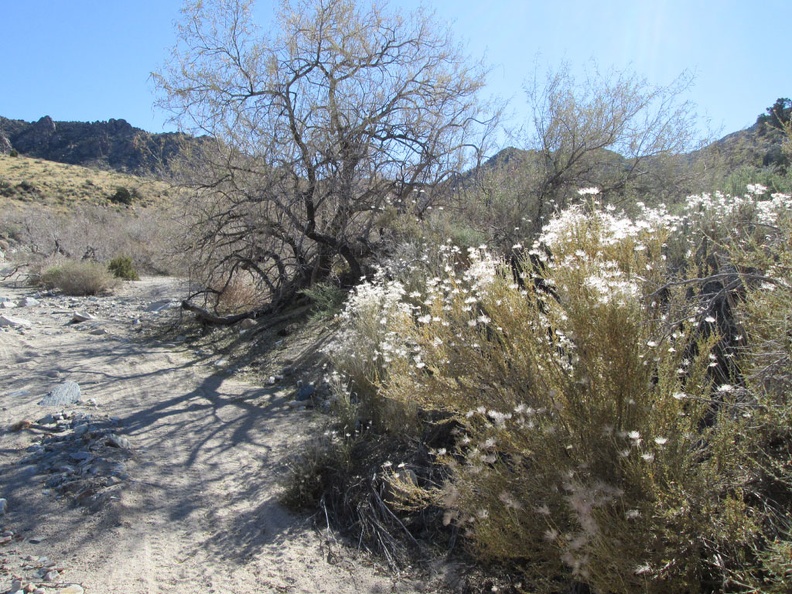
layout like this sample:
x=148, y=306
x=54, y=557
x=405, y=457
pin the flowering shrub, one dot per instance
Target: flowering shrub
x=605, y=431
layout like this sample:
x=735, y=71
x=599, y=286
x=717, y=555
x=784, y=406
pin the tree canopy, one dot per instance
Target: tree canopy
x=334, y=115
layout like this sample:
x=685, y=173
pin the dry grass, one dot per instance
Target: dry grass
x=79, y=278
x=24, y=180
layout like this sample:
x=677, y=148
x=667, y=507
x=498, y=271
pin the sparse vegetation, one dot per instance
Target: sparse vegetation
x=558, y=362
x=78, y=278
x=64, y=186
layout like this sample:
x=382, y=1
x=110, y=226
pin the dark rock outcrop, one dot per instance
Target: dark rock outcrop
x=114, y=144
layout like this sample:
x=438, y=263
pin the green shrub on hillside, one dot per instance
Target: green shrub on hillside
x=122, y=195
x=619, y=395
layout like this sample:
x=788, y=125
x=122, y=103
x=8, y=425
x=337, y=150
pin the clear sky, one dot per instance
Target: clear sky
x=88, y=60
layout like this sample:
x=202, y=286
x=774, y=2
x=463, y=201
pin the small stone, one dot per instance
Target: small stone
x=81, y=316
x=73, y=589
x=247, y=324
x=3, y=507
x=51, y=576
x=119, y=441
x=62, y=395
x=28, y=302
x=80, y=430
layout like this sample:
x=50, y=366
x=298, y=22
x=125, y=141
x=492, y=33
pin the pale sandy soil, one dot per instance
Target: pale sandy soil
x=199, y=512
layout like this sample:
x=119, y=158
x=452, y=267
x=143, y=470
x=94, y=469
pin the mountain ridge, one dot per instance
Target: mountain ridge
x=113, y=144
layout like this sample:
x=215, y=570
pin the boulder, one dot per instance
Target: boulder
x=15, y=322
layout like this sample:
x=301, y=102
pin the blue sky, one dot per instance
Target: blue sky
x=87, y=60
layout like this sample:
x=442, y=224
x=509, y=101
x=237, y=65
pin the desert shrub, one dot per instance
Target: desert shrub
x=78, y=278
x=122, y=195
x=123, y=268
x=237, y=294
x=312, y=474
x=326, y=298
x=609, y=431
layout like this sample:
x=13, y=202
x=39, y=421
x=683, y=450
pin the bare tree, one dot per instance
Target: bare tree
x=318, y=126
x=610, y=130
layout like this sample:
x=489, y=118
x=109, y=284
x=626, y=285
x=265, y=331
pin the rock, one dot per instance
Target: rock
x=7, y=303
x=119, y=441
x=298, y=403
x=247, y=324
x=15, y=322
x=73, y=589
x=80, y=316
x=65, y=394
x=51, y=575
x=3, y=506
x=158, y=306
x=304, y=392
x=28, y=302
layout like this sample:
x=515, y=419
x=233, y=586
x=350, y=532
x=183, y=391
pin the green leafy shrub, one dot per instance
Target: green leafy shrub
x=123, y=268
x=622, y=416
x=122, y=195
x=326, y=298
x=78, y=278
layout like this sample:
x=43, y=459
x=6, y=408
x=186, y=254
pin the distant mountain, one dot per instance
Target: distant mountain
x=114, y=144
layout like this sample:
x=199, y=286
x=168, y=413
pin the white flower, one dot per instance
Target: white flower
x=588, y=191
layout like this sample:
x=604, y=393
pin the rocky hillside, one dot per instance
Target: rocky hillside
x=114, y=144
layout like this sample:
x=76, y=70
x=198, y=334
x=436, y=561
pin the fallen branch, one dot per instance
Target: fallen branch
x=207, y=317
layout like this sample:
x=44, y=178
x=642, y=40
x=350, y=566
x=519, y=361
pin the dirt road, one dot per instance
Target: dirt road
x=194, y=507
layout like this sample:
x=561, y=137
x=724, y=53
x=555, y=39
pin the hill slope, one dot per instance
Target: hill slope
x=114, y=144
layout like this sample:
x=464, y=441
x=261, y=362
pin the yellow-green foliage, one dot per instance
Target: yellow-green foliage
x=79, y=278
x=595, y=443
x=24, y=179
